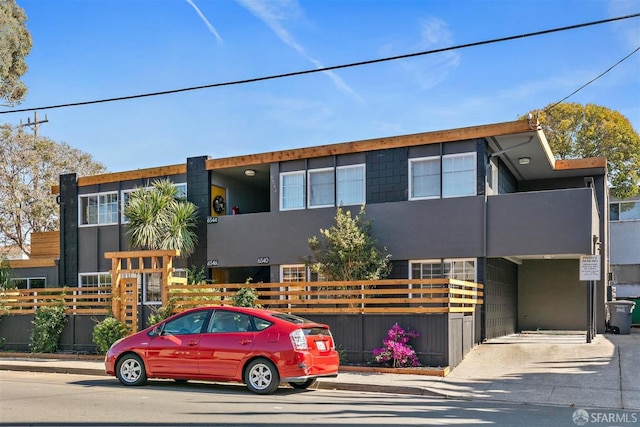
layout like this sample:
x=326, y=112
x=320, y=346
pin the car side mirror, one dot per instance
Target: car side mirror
x=157, y=331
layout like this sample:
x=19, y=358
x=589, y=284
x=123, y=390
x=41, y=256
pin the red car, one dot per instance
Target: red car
x=260, y=348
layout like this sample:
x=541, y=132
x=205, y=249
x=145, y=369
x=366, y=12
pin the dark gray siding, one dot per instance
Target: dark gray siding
x=199, y=193
x=530, y=223
x=500, y=298
x=407, y=229
x=68, y=271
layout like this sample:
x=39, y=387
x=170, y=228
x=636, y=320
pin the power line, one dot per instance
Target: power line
x=323, y=69
x=594, y=79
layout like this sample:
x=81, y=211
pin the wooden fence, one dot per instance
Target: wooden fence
x=85, y=300
x=381, y=296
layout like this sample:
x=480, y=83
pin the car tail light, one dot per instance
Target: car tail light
x=298, y=340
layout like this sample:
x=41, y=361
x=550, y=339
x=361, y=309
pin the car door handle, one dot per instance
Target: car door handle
x=245, y=341
x=192, y=343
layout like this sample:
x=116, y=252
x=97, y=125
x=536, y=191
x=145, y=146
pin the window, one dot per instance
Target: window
x=624, y=211
x=293, y=273
x=460, y=269
x=321, y=188
x=94, y=280
x=190, y=323
x=459, y=175
x=424, y=178
x=99, y=209
x=152, y=289
x=350, y=185
x=181, y=194
x=29, y=282
x=227, y=321
x=292, y=190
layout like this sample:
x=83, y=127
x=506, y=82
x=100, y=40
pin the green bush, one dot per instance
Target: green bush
x=158, y=314
x=107, y=332
x=48, y=325
x=246, y=297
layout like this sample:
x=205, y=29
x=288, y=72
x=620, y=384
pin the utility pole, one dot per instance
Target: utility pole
x=35, y=124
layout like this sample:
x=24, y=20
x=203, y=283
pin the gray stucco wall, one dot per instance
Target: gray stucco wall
x=550, y=296
x=407, y=229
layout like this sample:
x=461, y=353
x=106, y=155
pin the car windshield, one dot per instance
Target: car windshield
x=291, y=318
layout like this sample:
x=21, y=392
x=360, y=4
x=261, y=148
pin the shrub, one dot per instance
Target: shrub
x=246, y=297
x=48, y=325
x=158, y=314
x=396, y=352
x=107, y=332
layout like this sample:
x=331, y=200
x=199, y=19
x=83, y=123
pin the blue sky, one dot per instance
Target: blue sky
x=95, y=49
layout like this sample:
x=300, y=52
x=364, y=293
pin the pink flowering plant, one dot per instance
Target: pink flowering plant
x=396, y=351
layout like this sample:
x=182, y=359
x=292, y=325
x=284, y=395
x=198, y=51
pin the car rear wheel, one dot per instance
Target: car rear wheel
x=301, y=385
x=130, y=370
x=261, y=377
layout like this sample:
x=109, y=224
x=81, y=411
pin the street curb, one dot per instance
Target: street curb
x=320, y=385
x=53, y=369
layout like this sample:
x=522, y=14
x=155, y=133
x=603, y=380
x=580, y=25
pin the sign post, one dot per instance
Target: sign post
x=590, y=272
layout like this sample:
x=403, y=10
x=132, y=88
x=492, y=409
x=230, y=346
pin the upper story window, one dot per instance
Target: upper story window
x=181, y=194
x=292, y=190
x=624, y=211
x=351, y=185
x=341, y=186
x=424, y=178
x=459, y=175
x=321, y=188
x=99, y=209
x=453, y=175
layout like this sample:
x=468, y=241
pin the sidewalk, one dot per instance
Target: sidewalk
x=537, y=368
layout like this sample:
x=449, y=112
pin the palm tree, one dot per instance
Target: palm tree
x=160, y=218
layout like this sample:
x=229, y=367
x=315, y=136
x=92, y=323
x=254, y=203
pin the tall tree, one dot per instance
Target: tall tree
x=29, y=167
x=347, y=251
x=15, y=45
x=574, y=130
x=160, y=218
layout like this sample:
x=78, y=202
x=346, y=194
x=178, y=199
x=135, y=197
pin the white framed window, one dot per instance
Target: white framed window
x=350, y=188
x=321, y=188
x=125, y=194
x=292, y=190
x=459, y=175
x=291, y=274
x=29, y=282
x=424, y=178
x=99, y=209
x=451, y=268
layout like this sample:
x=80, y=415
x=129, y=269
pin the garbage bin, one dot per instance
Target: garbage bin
x=620, y=316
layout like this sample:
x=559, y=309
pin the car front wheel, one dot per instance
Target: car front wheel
x=301, y=385
x=130, y=370
x=261, y=377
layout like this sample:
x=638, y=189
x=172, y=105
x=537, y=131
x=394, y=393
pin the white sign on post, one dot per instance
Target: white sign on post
x=590, y=267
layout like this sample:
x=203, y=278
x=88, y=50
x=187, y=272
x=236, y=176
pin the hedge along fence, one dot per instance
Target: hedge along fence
x=380, y=296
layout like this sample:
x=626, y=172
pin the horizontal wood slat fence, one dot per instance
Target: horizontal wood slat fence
x=380, y=296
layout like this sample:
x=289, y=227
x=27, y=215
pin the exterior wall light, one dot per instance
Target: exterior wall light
x=524, y=160
x=250, y=172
